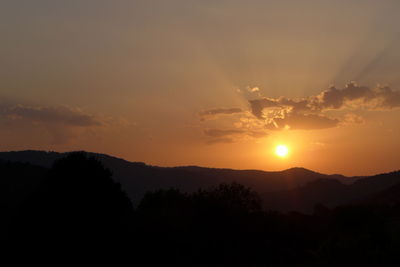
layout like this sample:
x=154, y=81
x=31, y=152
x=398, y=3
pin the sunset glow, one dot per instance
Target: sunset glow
x=182, y=82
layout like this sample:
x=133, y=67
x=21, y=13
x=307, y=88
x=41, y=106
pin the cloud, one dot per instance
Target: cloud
x=211, y=113
x=296, y=121
x=253, y=89
x=257, y=134
x=258, y=105
x=61, y=115
x=310, y=113
x=315, y=112
x=222, y=132
x=223, y=140
x=231, y=135
x=355, y=96
x=63, y=123
x=351, y=118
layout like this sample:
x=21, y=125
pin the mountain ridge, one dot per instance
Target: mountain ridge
x=296, y=188
x=56, y=155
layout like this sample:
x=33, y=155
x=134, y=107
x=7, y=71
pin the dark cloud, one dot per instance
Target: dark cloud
x=309, y=113
x=61, y=122
x=51, y=115
x=296, y=121
x=354, y=96
x=210, y=113
x=258, y=105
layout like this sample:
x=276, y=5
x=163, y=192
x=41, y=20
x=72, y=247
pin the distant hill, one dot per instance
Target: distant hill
x=137, y=178
x=388, y=197
x=382, y=188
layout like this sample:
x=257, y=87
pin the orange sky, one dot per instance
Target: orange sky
x=211, y=83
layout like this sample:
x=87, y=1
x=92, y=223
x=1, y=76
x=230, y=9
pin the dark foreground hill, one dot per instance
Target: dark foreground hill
x=137, y=178
x=75, y=212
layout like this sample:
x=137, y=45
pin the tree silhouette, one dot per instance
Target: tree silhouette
x=232, y=198
x=78, y=208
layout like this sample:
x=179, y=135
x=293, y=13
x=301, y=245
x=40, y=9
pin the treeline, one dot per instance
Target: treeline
x=79, y=211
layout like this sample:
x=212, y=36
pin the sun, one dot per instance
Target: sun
x=281, y=151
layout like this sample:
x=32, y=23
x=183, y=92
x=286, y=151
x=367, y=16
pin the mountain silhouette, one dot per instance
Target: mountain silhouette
x=387, y=197
x=137, y=178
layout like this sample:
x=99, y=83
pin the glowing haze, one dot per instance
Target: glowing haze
x=212, y=83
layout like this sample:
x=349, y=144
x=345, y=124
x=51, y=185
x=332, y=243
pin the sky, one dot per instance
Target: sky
x=209, y=83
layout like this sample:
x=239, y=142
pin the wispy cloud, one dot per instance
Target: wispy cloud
x=231, y=135
x=212, y=113
x=222, y=132
x=222, y=140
